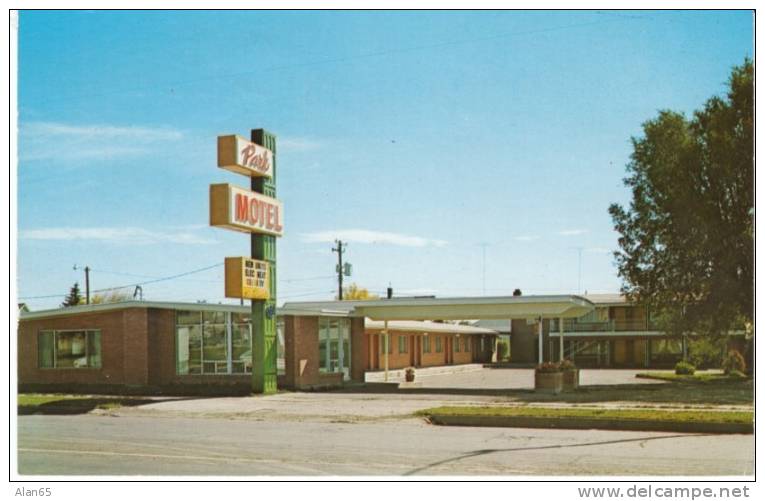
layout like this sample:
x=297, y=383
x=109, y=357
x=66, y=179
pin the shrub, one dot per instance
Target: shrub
x=684, y=369
x=733, y=362
x=547, y=367
x=502, y=350
x=567, y=365
x=706, y=353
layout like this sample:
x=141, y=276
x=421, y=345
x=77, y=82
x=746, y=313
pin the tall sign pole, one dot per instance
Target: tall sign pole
x=255, y=211
x=339, y=250
x=263, y=248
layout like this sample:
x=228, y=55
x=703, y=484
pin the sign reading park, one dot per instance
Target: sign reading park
x=243, y=210
x=243, y=157
x=246, y=278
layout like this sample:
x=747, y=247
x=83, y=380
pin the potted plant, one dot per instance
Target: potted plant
x=570, y=374
x=548, y=378
x=409, y=374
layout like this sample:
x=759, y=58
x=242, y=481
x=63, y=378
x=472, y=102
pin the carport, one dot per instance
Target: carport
x=537, y=308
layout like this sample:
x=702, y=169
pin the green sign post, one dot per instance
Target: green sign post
x=263, y=247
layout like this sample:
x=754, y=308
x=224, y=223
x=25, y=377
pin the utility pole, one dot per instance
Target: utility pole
x=87, y=283
x=339, y=250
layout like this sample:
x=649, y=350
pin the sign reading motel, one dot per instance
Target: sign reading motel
x=243, y=157
x=243, y=210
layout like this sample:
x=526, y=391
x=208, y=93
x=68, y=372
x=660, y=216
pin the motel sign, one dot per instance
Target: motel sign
x=255, y=211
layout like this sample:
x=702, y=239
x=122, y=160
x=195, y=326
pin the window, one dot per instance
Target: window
x=457, y=345
x=466, y=340
x=76, y=349
x=335, y=345
x=402, y=344
x=213, y=342
x=439, y=349
x=426, y=344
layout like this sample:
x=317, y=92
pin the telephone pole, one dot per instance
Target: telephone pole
x=87, y=283
x=339, y=250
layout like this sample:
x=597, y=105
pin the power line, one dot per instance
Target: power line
x=162, y=279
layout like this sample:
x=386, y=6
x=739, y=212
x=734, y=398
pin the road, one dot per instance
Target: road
x=148, y=445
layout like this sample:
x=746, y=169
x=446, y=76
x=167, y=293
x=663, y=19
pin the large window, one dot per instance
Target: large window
x=213, y=342
x=335, y=345
x=402, y=344
x=466, y=340
x=439, y=348
x=382, y=343
x=426, y=344
x=456, y=344
x=74, y=349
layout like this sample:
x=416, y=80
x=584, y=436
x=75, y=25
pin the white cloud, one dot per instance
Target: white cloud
x=371, y=237
x=295, y=144
x=52, y=140
x=571, y=233
x=119, y=235
x=527, y=238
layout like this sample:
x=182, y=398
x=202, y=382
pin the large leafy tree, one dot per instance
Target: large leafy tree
x=687, y=238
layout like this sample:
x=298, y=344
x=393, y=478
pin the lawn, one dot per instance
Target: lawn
x=679, y=416
x=39, y=403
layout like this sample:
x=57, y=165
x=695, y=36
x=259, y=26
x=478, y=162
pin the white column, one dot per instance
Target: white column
x=387, y=341
x=560, y=333
x=540, y=330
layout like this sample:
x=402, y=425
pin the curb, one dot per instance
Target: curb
x=590, y=424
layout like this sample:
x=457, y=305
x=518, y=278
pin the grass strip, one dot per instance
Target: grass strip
x=686, y=378
x=680, y=416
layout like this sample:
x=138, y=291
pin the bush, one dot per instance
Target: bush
x=737, y=374
x=547, y=367
x=684, y=369
x=706, y=353
x=733, y=362
x=502, y=350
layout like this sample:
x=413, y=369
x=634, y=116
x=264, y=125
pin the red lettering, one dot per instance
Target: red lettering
x=254, y=206
x=241, y=207
x=270, y=217
x=277, y=220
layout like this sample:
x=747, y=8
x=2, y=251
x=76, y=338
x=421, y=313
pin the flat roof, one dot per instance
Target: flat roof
x=455, y=308
x=425, y=326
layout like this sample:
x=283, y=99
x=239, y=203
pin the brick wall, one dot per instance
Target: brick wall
x=112, y=371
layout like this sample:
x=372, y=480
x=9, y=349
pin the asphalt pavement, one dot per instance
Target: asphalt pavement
x=107, y=445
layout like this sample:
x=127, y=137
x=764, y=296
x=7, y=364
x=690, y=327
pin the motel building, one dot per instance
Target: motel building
x=182, y=348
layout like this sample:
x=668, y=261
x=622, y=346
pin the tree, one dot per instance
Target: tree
x=354, y=292
x=687, y=240
x=74, y=297
x=114, y=296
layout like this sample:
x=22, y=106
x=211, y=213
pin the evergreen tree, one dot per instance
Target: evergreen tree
x=74, y=298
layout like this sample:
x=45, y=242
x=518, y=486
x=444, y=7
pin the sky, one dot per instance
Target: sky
x=456, y=153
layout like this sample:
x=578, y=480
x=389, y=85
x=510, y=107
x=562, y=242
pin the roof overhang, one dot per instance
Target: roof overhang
x=504, y=307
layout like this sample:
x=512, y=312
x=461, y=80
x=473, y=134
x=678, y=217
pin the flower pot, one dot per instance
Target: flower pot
x=548, y=382
x=570, y=379
x=409, y=376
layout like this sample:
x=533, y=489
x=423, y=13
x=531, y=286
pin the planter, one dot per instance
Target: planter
x=548, y=382
x=409, y=375
x=570, y=379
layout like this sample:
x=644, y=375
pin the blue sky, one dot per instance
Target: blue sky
x=423, y=139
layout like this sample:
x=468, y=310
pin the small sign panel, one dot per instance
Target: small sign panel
x=244, y=157
x=238, y=209
x=247, y=278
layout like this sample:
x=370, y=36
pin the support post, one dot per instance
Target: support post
x=263, y=318
x=87, y=285
x=540, y=330
x=560, y=333
x=387, y=341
